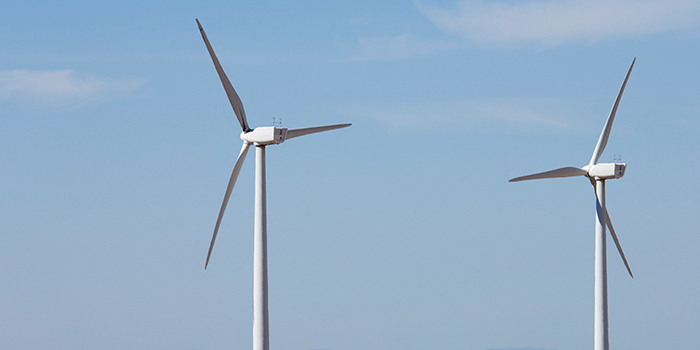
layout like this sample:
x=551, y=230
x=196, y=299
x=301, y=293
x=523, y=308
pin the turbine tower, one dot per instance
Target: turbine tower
x=259, y=137
x=597, y=174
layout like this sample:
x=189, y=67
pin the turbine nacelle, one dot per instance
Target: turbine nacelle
x=266, y=135
x=605, y=170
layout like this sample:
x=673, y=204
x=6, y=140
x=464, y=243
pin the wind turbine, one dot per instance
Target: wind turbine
x=259, y=137
x=597, y=174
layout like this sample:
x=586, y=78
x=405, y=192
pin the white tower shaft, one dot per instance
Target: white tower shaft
x=261, y=333
x=601, y=272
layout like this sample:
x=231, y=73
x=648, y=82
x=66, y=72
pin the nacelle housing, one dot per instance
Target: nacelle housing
x=267, y=135
x=607, y=170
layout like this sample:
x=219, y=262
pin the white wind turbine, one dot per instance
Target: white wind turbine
x=598, y=173
x=260, y=137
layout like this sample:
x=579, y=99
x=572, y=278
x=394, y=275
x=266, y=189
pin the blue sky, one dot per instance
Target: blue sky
x=400, y=232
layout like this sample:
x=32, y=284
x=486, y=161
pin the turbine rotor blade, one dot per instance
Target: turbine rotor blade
x=613, y=234
x=292, y=133
x=230, y=92
x=229, y=189
x=605, y=134
x=561, y=172
x=617, y=243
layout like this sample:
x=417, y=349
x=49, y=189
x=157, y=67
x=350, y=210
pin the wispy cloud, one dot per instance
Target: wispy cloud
x=552, y=22
x=60, y=86
x=388, y=48
x=475, y=113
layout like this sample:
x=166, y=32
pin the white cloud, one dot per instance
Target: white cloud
x=551, y=22
x=399, y=47
x=60, y=86
x=475, y=113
